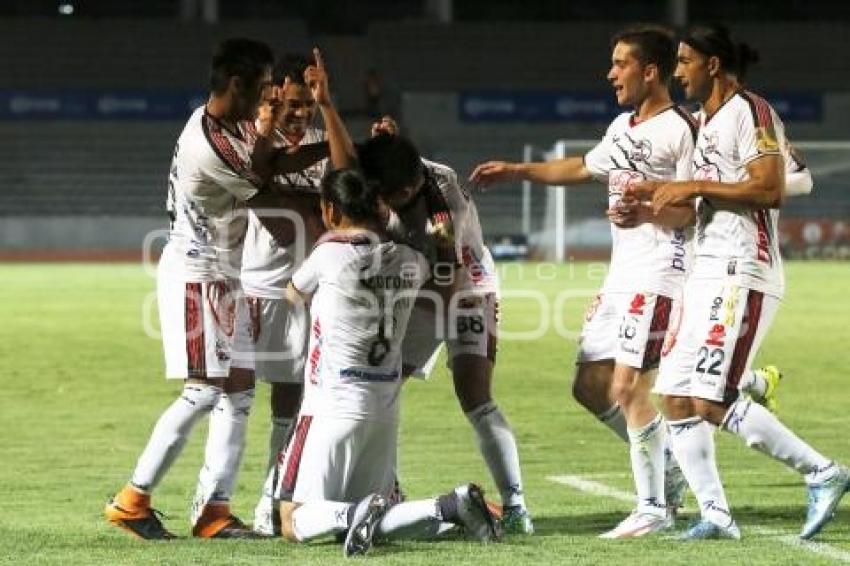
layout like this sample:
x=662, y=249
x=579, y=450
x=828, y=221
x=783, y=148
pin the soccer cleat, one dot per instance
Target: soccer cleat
x=706, y=530
x=772, y=376
x=517, y=521
x=216, y=521
x=823, y=499
x=639, y=524
x=367, y=514
x=675, y=485
x=142, y=523
x=475, y=515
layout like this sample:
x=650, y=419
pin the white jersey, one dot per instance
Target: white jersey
x=363, y=293
x=736, y=240
x=647, y=258
x=266, y=265
x=442, y=222
x=210, y=178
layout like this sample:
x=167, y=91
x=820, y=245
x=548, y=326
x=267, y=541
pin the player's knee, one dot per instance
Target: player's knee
x=710, y=411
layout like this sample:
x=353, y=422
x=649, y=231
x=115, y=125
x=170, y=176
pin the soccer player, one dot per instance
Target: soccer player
x=338, y=469
x=620, y=344
x=222, y=162
x=734, y=288
x=270, y=338
x=430, y=210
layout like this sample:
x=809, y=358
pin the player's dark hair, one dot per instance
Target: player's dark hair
x=239, y=57
x=347, y=189
x=715, y=40
x=653, y=44
x=392, y=163
x=291, y=65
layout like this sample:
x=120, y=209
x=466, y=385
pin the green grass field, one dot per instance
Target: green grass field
x=83, y=386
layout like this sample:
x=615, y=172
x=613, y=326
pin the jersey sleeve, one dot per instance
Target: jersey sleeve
x=306, y=278
x=757, y=130
x=598, y=160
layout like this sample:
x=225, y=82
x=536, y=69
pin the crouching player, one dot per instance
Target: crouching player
x=431, y=211
x=339, y=466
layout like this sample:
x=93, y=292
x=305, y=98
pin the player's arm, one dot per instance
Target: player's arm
x=296, y=297
x=297, y=158
x=340, y=146
x=559, y=172
x=764, y=187
x=631, y=212
x=798, y=177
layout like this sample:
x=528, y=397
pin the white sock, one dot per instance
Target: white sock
x=498, y=446
x=646, y=448
x=753, y=383
x=223, y=453
x=318, y=518
x=412, y=520
x=761, y=430
x=614, y=419
x=692, y=442
x=266, y=505
x=171, y=432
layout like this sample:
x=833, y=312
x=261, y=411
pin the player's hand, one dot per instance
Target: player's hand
x=673, y=193
x=644, y=190
x=270, y=110
x=316, y=78
x=386, y=125
x=490, y=172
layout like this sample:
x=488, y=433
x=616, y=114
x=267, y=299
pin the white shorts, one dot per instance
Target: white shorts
x=722, y=327
x=475, y=332
x=197, y=321
x=628, y=328
x=336, y=459
x=271, y=339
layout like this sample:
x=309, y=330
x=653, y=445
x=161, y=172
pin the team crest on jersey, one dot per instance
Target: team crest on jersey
x=711, y=143
x=620, y=179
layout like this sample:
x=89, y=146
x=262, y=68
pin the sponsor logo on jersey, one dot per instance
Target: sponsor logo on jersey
x=710, y=144
x=678, y=243
x=620, y=179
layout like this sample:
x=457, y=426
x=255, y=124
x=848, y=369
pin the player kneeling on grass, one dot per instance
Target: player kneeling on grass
x=338, y=469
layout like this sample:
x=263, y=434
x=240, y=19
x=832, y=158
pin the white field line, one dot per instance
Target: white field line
x=602, y=490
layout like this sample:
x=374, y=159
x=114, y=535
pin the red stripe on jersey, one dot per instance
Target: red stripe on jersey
x=749, y=325
x=220, y=143
x=657, y=332
x=196, y=351
x=763, y=116
x=296, y=449
x=762, y=237
x=316, y=352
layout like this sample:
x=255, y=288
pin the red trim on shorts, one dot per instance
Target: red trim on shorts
x=762, y=237
x=657, y=332
x=222, y=306
x=296, y=449
x=744, y=344
x=253, y=304
x=196, y=351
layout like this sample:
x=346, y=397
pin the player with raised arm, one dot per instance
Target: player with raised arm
x=433, y=213
x=620, y=344
x=222, y=162
x=338, y=469
x=270, y=338
x=734, y=288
